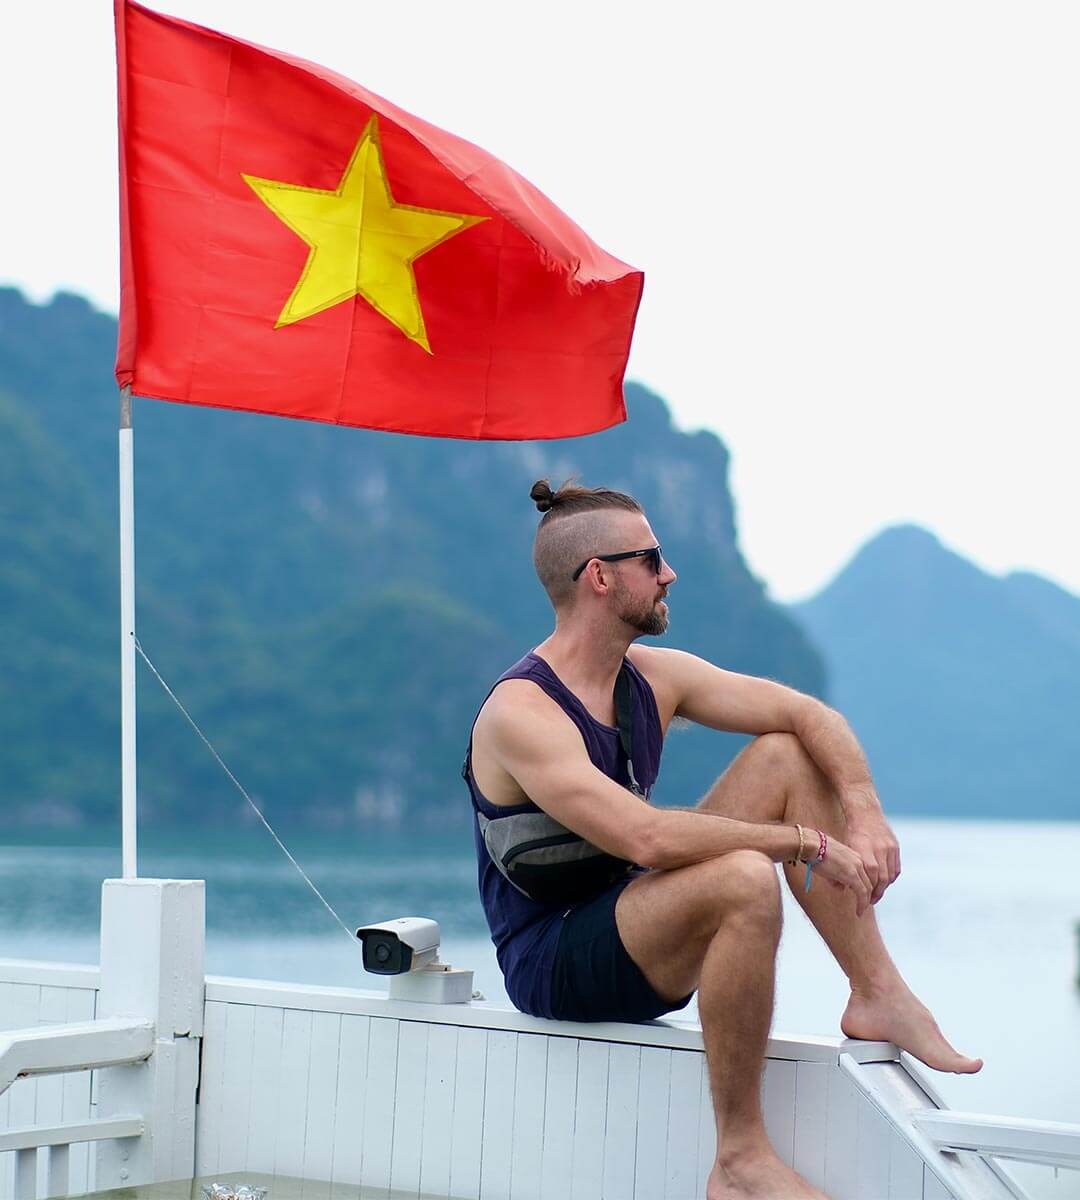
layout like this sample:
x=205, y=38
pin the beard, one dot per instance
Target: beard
x=647, y=617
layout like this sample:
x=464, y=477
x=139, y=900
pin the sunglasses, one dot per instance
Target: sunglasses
x=654, y=553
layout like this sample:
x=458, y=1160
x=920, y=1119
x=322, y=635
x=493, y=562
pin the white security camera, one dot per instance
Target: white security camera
x=395, y=947
x=407, y=950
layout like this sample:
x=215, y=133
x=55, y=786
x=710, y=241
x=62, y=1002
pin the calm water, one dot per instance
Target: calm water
x=981, y=924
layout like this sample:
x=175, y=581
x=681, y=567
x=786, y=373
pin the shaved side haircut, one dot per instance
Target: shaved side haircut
x=575, y=527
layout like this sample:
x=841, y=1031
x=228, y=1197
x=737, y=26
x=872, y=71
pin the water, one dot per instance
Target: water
x=981, y=923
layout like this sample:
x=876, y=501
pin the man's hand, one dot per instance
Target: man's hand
x=843, y=868
x=869, y=835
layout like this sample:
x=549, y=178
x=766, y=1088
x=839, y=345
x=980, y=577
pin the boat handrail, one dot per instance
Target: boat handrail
x=1052, y=1143
x=79, y=1046
x=59, y=1049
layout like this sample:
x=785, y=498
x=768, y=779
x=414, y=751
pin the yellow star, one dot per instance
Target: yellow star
x=362, y=243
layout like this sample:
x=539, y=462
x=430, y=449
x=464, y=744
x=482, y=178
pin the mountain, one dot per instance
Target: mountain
x=963, y=687
x=331, y=605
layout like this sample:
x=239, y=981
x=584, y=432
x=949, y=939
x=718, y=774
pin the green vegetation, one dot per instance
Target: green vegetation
x=330, y=604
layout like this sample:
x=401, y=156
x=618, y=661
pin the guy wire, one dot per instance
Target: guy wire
x=240, y=788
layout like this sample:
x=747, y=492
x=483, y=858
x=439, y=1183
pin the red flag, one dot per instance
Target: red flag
x=293, y=244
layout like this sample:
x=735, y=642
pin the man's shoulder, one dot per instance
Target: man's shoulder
x=513, y=700
x=661, y=664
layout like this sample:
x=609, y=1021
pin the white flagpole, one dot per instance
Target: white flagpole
x=127, y=636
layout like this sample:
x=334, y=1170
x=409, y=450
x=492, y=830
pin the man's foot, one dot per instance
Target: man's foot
x=896, y=1015
x=758, y=1175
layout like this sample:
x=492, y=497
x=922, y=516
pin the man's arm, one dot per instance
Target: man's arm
x=540, y=748
x=727, y=700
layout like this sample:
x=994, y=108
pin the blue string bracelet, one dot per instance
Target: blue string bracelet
x=813, y=862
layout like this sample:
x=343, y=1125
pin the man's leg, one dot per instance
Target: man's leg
x=774, y=779
x=715, y=927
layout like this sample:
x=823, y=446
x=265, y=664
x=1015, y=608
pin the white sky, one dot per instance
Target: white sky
x=859, y=224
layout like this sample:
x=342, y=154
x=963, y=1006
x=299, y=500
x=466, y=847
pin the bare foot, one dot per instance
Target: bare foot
x=896, y=1015
x=758, y=1176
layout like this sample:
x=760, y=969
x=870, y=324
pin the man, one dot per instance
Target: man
x=701, y=910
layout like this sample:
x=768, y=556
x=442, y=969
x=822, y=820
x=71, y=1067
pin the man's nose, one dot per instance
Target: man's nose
x=667, y=573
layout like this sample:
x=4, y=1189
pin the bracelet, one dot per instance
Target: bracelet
x=798, y=853
x=823, y=849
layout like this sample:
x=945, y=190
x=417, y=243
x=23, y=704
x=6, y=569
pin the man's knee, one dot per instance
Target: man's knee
x=750, y=884
x=741, y=885
x=782, y=753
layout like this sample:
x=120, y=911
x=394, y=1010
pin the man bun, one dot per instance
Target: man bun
x=542, y=495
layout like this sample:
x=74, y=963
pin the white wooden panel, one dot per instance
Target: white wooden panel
x=499, y=1085
x=654, y=1090
x=49, y=1102
x=669, y=1033
x=24, y=1002
x=292, y=1094
x=933, y=1188
x=592, y=1086
x=36, y=1101
x=438, y=1110
x=409, y=1107
x=683, y=1120
x=208, y=1116
x=322, y=1095
x=52, y=1005
x=529, y=1097
x=620, y=1136
x=811, y=1120
x=352, y=1083
x=233, y=1121
x=874, y=1145
x=778, y=1103
x=379, y=1103
x=560, y=1103
x=267, y=1030
x=841, y=1159
x=905, y=1172
x=467, y=1130
x=19, y=1005
x=58, y=1171
x=76, y=1092
x=706, y=1129
x=67, y=975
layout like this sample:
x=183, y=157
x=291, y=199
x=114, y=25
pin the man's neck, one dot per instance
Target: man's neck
x=584, y=659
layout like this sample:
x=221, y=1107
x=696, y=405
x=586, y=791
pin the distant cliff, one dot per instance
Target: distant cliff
x=963, y=687
x=331, y=604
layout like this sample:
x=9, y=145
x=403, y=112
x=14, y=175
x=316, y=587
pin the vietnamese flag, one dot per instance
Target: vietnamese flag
x=293, y=244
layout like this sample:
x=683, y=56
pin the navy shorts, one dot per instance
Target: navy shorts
x=594, y=978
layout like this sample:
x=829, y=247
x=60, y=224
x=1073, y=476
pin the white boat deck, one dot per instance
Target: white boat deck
x=484, y=1103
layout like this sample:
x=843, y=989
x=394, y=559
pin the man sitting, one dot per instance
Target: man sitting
x=666, y=902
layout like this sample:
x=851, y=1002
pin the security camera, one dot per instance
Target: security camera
x=396, y=947
x=408, y=951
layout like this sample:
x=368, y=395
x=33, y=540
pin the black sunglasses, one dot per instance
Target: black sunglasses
x=653, y=552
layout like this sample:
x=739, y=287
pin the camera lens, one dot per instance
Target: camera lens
x=382, y=953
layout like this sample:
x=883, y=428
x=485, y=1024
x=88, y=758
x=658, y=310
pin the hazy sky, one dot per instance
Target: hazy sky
x=859, y=225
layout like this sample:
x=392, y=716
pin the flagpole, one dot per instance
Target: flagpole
x=127, y=636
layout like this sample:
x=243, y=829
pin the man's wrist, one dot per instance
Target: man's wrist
x=860, y=803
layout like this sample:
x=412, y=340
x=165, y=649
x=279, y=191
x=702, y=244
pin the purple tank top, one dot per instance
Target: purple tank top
x=525, y=932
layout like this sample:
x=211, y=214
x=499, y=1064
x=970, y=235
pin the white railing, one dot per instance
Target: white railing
x=1051, y=1143
x=56, y=1141
x=55, y=1050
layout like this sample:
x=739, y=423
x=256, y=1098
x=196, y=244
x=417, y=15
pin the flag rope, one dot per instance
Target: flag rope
x=243, y=792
